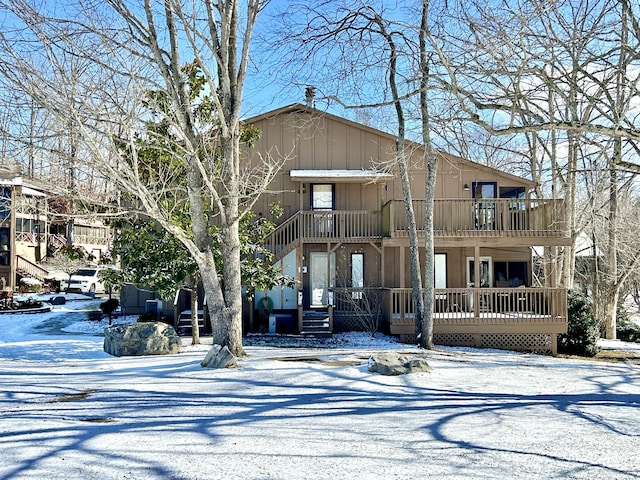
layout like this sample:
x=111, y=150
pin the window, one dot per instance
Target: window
x=322, y=196
x=512, y=192
x=485, y=272
x=485, y=210
x=5, y=203
x=510, y=274
x=28, y=225
x=484, y=189
x=440, y=267
x=5, y=246
x=357, y=274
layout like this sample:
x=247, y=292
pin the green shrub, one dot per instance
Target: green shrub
x=148, y=317
x=30, y=303
x=109, y=306
x=627, y=331
x=94, y=315
x=583, y=332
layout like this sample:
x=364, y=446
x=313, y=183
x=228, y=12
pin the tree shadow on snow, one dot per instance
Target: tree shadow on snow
x=178, y=410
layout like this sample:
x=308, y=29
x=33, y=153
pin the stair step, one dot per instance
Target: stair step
x=183, y=325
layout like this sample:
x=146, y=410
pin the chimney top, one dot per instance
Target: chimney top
x=310, y=96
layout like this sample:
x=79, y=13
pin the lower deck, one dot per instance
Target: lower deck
x=516, y=318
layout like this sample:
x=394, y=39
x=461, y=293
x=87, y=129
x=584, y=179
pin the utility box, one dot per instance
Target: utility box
x=153, y=306
x=281, y=323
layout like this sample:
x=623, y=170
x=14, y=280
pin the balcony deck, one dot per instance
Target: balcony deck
x=478, y=312
x=540, y=221
x=536, y=222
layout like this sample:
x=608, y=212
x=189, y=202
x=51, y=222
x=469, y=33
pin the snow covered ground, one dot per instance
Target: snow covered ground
x=70, y=411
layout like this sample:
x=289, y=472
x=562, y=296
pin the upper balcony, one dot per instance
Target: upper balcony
x=533, y=221
x=473, y=218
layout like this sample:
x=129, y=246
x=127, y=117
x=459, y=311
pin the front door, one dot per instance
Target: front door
x=485, y=208
x=323, y=199
x=323, y=274
x=486, y=281
x=486, y=277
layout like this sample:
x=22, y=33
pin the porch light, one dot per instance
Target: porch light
x=466, y=186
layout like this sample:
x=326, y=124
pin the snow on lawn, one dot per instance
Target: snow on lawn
x=70, y=411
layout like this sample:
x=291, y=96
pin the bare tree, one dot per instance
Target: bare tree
x=576, y=104
x=557, y=79
x=368, y=41
x=129, y=51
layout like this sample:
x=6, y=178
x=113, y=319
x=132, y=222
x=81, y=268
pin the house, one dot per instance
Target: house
x=32, y=228
x=343, y=237
x=23, y=230
x=82, y=231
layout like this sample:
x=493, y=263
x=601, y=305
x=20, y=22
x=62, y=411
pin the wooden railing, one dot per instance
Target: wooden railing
x=325, y=225
x=28, y=268
x=504, y=303
x=452, y=217
x=91, y=239
x=465, y=217
x=358, y=301
x=285, y=237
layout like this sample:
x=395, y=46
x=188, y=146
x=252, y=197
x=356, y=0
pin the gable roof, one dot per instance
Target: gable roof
x=300, y=108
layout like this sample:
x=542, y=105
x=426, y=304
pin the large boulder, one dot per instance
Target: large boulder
x=219, y=357
x=391, y=363
x=144, y=338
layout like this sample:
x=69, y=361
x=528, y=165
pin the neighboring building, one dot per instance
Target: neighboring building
x=344, y=238
x=90, y=234
x=30, y=230
x=23, y=231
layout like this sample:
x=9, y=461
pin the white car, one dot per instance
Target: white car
x=86, y=280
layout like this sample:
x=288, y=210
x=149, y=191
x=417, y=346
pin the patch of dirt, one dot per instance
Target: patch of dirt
x=611, y=356
x=618, y=356
x=330, y=362
x=73, y=397
x=97, y=420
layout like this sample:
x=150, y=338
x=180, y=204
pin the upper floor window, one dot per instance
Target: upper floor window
x=485, y=189
x=322, y=196
x=512, y=192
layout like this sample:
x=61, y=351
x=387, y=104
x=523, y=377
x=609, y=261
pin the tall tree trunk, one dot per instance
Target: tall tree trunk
x=568, y=261
x=431, y=164
x=414, y=253
x=612, y=285
x=195, y=323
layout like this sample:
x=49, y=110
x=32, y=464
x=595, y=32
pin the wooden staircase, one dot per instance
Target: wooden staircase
x=27, y=268
x=55, y=244
x=316, y=322
x=284, y=238
x=183, y=323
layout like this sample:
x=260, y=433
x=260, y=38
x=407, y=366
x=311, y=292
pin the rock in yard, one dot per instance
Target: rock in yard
x=59, y=300
x=148, y=338
x=389, y=363
x=219, y=357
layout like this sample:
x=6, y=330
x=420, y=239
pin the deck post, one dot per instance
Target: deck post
x=476, y=281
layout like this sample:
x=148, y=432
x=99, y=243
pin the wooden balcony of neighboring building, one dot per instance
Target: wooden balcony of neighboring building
x=480, y=314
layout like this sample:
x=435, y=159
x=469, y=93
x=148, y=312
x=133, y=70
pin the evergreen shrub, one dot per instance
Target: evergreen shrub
x=109, y=306
x=583, y=332
x=627, y=330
